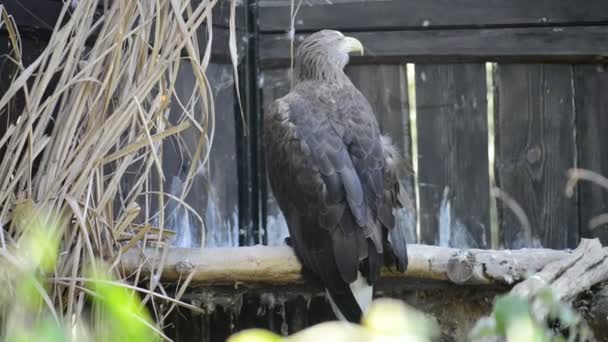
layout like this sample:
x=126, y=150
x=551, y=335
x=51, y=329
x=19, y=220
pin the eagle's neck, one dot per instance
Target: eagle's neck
x=320, y=67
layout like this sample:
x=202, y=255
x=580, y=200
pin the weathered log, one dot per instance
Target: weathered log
x=279, y=266
x=570, y=279
x=585, y=267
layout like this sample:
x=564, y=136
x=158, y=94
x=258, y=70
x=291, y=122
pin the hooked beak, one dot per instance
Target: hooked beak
x=354, y=45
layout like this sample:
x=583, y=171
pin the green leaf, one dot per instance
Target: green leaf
x=509, y=308
x=122, y=312
x=546, y=297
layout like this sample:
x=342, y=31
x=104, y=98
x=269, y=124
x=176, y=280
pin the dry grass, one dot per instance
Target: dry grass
x=70, y=152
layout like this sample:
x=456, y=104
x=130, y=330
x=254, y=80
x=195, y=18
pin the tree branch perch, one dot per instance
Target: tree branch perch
x=262, y=265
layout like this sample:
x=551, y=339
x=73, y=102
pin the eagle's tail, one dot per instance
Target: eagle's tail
x=354, y=300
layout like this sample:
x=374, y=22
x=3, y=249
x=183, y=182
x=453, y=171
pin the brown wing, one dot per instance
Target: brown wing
x=326, y=167
x=317, y=188
x=307, y=171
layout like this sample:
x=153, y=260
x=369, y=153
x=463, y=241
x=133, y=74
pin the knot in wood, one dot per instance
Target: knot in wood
x=460, y=267
x=184, y=267
x=533, y=155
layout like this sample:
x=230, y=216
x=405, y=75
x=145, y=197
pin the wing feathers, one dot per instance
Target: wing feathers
x=345, y=252
x=328, y=169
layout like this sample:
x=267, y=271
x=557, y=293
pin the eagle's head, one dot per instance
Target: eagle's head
x=324, y=54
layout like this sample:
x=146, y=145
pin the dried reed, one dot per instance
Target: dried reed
x=113, y=75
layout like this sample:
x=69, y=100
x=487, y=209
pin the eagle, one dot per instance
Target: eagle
x=334, y=176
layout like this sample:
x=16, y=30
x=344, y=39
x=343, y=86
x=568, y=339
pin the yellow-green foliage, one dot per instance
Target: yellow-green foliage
x=543, y=318
x=123, y=318
x=388, y=320
x=27, y=311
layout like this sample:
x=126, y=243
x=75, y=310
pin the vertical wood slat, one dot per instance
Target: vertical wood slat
x=590, y=82
x=453, y=154
x=214, y=192
x=222, y=215
x=385, y=87
x=535, y=147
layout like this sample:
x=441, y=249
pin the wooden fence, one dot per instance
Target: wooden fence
x=545, y=115
x=541, y=113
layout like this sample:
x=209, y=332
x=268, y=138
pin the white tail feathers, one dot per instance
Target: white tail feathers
x=363, y=293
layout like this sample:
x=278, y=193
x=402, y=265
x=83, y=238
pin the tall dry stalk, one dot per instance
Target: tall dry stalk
x=113, y=78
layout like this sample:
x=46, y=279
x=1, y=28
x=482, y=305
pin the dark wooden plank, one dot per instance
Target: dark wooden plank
x=540, y=44
x=453, y=154
x=43, y=14
x=367, y=15
x=592, y=124
x=535, y=146
x=220, y=51
x=214, y=193
x=385, y=87
x=221, y=13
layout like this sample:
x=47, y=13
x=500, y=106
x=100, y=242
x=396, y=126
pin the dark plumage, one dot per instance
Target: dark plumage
x=333, y=174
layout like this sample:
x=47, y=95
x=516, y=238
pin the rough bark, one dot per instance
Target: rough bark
x=576, y=278
x=579, y=271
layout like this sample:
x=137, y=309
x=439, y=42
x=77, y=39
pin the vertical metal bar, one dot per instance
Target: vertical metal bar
x=251, y=164
x=256, y=122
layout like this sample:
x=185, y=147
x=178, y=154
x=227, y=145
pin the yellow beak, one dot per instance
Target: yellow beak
x=354, y=45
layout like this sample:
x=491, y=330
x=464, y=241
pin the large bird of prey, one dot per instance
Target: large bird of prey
x=334, y=175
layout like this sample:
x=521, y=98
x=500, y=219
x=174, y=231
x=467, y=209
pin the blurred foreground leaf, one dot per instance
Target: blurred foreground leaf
x=123, y=317
x=387, y=320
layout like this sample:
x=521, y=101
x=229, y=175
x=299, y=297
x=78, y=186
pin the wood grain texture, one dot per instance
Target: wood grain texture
x=592, y=143
x=43, y=14
x=453, y=154
x=370, y=15
x=535, y=146
x=586, y=267
x=37, y=18
x=540, y=44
